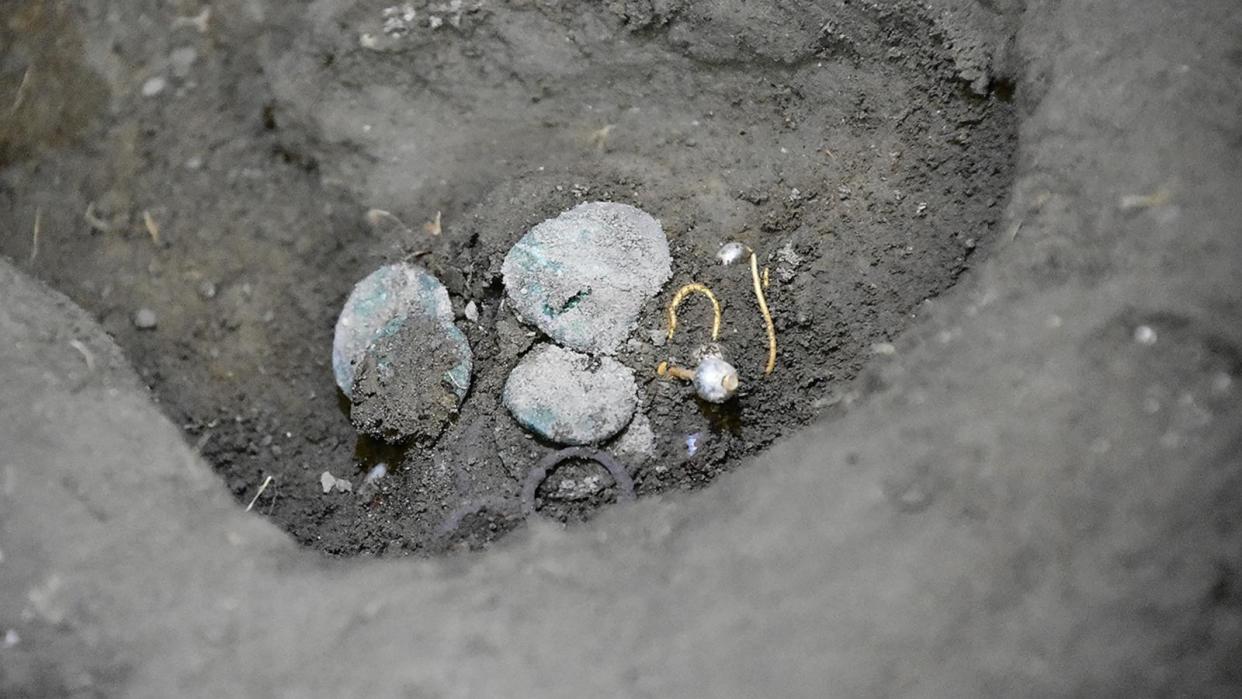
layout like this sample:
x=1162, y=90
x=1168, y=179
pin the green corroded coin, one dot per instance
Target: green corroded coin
x=380, y=306
x=570, y=398
x=583, y=277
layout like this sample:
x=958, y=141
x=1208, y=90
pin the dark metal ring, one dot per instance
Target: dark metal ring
x=619, y=474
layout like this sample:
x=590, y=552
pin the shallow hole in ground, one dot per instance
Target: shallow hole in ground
x=864, y=174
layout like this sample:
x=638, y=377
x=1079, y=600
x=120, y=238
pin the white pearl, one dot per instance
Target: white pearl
x=715, y=380
x=731, y=252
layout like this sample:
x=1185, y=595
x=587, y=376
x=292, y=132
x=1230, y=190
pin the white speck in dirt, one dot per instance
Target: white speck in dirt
x=692, y=443
x=328, y=481
x=154, y=86
x=1145, y=335
x=145, y=319
x=379, y=471
x=11, y=638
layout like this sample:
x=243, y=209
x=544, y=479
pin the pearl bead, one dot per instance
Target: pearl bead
x=715, y=380
x=731, y=252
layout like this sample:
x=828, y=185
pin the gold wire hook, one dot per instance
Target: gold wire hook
x=682, y=294
x=664, y=369
x=763, y=308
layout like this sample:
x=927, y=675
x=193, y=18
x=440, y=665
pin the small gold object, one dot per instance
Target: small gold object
x=731, y=252
x=767, y=317
x=681, y=295
x=676, y=372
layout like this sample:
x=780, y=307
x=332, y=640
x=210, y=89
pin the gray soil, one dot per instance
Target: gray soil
x=401, y=391
x=1028, y=483
x=850, y=154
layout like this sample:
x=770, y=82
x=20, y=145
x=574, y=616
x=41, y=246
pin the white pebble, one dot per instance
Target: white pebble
x=1145, y=335
x=154, y=86
x=328, y=481
x=145, y=319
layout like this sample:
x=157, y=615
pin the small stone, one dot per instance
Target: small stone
x=569, y=397
x=207, y=289
x=472, y=312
x=1145, y=335
x=154, y=86
x=145, y=319
x=583, y=276
x=328, y=482
x=194, y=162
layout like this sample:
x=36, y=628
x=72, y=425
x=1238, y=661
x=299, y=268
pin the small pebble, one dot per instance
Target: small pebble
x=207, y=289
x=1145, y=335
x=145, y=319
x=472, y=312
x=327, y=481
x=154, y=86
